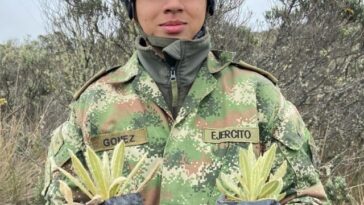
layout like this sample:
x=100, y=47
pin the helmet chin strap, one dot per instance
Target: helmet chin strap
x=201, y=33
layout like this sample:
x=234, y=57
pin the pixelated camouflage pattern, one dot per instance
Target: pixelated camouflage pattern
x=222, y=96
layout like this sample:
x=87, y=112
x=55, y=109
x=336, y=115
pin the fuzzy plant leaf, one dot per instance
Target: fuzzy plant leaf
x=281, y=196
x=66, y=192
x=268, y=159
x=254, y=181
x=115, y=186
x=245, y=165
x=262, y=169
x=103, y=178
x=106, y=170
x=280, y=172
x=96, y=200
x=152, y=172
x=117, y=161
x=95, y=166
x=76, y=182
x=132, y=174
x=229, y=184
x=229, y=194
x=82, y=173
x=269, y=189
x=244, y=188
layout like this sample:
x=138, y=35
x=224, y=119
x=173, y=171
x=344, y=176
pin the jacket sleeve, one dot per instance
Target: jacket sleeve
x=297, y=146
x=282, y=124
x=66, y=137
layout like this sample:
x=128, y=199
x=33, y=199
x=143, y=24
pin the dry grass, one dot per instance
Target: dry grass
x=21, y=163
x=356, y=185
x=344, y=175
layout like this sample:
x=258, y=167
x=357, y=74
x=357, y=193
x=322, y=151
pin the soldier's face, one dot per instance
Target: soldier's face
x=180, y=19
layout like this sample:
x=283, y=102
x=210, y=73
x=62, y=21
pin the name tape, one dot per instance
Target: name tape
x=109, y=141
x=231, y=135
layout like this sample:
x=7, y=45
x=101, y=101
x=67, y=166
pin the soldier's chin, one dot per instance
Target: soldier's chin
x=176, y=35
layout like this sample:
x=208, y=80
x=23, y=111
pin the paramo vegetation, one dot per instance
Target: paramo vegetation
x=314, y=47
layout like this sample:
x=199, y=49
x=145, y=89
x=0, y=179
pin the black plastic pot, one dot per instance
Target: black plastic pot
x=128, y=199
x=223, y=201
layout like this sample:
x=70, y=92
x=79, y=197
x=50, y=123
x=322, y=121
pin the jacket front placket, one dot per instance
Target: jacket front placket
x=147, y=88
x=176, y=153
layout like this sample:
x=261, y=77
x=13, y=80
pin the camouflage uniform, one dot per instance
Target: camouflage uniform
x=228, y=106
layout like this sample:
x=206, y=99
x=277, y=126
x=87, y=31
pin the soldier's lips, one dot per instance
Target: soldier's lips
x=173, y=27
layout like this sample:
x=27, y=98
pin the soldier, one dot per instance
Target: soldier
x=178, y=100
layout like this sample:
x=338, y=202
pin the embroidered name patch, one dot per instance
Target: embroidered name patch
x=231, y=135
x=109, y=141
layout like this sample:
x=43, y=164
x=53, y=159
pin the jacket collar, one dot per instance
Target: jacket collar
x=126, y=72
x=157, y=55
x=216, y=62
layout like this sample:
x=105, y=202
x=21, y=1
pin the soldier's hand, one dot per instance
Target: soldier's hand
x=222, y=201
x=128, y=199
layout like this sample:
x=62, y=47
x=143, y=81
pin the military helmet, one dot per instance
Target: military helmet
x=130, y=7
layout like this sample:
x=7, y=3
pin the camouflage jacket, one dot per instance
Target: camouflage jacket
x=229, y=106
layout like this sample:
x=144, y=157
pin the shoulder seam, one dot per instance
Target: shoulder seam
x=93, y=79
x=266, y=74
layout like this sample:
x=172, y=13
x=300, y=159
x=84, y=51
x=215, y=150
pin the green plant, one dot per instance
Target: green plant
x=254, y=182
x=106, y=178
x=2, y=101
